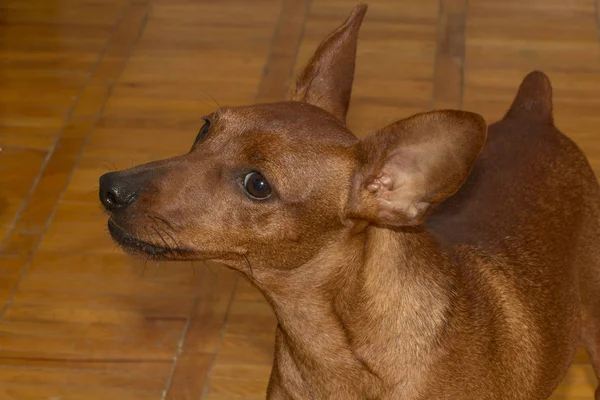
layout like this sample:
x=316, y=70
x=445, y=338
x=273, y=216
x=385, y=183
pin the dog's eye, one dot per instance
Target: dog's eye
x=257, y=186
x=204, y=130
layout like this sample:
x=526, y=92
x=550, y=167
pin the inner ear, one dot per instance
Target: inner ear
x=400, y=187
x=411, y=166
x=326, y=81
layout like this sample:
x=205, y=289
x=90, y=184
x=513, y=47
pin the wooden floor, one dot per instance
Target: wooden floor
x=87, y=86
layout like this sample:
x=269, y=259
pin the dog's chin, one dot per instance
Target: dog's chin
x=139, y=248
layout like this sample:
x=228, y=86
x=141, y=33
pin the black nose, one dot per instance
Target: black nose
x=116, y=193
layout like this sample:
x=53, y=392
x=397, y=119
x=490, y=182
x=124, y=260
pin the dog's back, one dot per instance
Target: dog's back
x=532, y=205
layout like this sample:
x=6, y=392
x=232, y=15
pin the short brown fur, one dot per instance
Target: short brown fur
x=434, y=259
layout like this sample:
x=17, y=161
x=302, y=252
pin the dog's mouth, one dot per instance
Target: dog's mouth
x=136, y=246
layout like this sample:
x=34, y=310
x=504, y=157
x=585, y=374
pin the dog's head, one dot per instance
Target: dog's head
x=275, y=183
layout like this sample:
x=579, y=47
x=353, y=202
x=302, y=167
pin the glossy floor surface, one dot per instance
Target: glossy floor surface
x=88, y=86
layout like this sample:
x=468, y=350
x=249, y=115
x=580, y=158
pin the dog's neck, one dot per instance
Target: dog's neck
x=362, y=293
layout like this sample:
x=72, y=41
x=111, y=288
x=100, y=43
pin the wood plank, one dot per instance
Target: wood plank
x=62, y=377
x=28, y=392
x=159, y=369
x=450, y=55
x=597, y=5
x=10, y=273
x=80, y=348
x=63, y=154
x=275, y=83
x=152, y=330
x=190, y=376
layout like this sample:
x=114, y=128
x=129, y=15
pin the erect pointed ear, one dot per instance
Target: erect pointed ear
x=326, y=81
x=412, y=165
x=534, y=99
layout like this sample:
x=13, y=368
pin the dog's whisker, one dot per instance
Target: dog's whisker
x=145, y=265
x=112, y=164
x=171, y=224
x=177, y=247
x=152, y=218
x=211, y=97
x=249, y=266
x=148, y=234
x=168, y=222
x=157, y=228
x=162, y=238
x=208, y=267
x=206, y=104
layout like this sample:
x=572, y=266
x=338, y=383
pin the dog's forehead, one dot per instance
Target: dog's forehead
x=292, y=120
x=289, y=142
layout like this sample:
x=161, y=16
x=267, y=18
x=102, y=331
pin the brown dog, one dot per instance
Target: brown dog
x=422, y=262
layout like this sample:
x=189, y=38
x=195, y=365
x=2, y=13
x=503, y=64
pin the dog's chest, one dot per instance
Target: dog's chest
x=310, y=371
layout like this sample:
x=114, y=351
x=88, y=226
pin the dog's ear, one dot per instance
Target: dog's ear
x=409, y=167
x=534, y=99
x=326, y=81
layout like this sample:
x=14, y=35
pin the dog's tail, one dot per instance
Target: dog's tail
x=534, y=99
